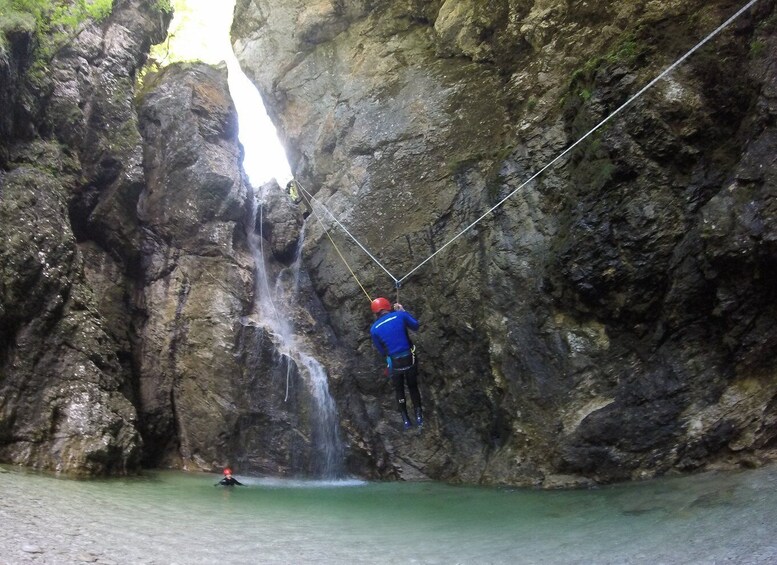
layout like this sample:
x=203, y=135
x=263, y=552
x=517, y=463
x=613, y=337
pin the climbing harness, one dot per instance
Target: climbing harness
x=631, y=100
x=399, y=363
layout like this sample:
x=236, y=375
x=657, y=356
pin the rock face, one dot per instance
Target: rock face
x=65, y=391
x=196, y=283
x=217, y=381
x=615, y=318
x=131, y=333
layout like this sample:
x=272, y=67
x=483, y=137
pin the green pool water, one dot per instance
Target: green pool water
x=179, y=518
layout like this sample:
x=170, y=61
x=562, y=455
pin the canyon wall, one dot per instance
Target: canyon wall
x=613, y=319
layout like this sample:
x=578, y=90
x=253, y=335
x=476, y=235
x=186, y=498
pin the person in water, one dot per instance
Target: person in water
x=228, y=480
x=389, y=334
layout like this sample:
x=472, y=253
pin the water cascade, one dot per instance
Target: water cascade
x=287, y=422
x=275, y=309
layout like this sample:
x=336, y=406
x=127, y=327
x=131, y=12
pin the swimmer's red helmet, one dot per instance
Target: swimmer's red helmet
x=227, y=471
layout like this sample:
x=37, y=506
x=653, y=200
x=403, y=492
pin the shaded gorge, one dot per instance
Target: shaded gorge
x=615, y=320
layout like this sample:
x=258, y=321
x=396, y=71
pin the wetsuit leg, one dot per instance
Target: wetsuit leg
x=411, y=377
x=398, y=380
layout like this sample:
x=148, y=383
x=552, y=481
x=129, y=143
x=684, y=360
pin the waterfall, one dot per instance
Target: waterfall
x=327, y=446
x=274, y=309
x=200, y=31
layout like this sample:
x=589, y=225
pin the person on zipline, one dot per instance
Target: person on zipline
x=292, y=189
x=389, y=334
x=228, y=480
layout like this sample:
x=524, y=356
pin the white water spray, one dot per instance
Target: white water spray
x=274, y=309
x=200, y=31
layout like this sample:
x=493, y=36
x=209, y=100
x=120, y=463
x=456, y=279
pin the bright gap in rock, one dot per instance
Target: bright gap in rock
x=200, y=32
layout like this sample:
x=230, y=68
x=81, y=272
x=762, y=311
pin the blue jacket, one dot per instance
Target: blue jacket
x=389, y=332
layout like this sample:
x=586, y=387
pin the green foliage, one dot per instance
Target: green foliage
x=627, y=52
x=14, y=21
x=190, y=35
x=97, y=10
x=165, y=6
x=54, y=22
x=587, y=70
x=765, y=28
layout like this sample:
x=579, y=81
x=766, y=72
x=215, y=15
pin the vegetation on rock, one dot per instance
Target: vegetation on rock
x=51, y=20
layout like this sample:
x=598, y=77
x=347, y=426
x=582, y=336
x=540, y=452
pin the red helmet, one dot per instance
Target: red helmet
x=227, y=471
x=380, y=304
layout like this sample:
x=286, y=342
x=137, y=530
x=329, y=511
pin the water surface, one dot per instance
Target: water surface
x=178, y=518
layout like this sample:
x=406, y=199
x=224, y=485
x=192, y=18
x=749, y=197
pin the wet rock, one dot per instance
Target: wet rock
x=72, y=148
x=62, y=406
x=196, y=281
x=280, y=223
x=603, y=321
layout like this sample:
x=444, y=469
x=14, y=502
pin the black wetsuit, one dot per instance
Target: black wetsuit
x=229, y=482
x=389, y=335
x=404, y=370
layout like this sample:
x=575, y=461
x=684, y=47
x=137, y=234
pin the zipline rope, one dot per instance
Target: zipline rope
x=356, y=241
x=664, y=73
x=326, y=231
